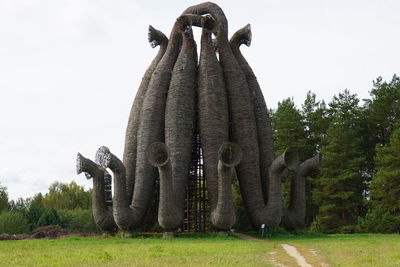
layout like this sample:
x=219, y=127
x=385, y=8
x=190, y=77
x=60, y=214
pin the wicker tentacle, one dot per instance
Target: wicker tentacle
x=125, y=217
x=151, y=127
x=213, y=113
x=263, y=120
x=287, y=160
x=294, y=216
x=152, y=124
x=223, y=216
x=170, y=215
x=243, y=130
x=155, y=38
x=180, y=117
x=102, y=214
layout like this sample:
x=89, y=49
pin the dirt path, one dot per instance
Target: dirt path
x=290, y=250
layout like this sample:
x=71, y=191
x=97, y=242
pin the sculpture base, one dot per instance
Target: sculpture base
x=168, y=235
x=223, y=233
x=126, y=234
x=108, y=234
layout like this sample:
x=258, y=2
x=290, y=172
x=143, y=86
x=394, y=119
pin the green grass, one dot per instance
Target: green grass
x=78, y=251
x=345, y=249
x=203, y=250
x=357, y=250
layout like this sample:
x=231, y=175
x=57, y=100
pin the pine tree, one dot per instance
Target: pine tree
x=341, y=185
x=384, y=108
x=289, y=131
x=384, y=214
x=48, y=217
x=288, y=128
x=316, y=121
x=3, y=198
x=35, y=210
x=381, y=113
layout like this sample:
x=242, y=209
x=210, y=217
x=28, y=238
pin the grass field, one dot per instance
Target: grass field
x=335, y=250
x=345, y=250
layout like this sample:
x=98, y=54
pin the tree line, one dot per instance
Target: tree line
x=358, y=189
x=65, y=204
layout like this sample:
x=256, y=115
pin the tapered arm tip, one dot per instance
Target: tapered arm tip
x=156, y=37
x=247, y=35
x=242, y=36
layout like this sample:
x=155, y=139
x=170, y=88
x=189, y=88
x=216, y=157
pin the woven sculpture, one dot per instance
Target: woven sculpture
x=221, y=94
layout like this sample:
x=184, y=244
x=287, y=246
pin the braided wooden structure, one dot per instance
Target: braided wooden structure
x=219, y=96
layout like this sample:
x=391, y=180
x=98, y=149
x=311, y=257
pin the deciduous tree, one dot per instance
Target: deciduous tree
x=67, y=197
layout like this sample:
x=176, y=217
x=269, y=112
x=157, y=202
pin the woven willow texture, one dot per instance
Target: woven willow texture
x=155, y=38
x=222, y=94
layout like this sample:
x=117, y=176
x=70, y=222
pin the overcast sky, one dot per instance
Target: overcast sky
x=69, y=70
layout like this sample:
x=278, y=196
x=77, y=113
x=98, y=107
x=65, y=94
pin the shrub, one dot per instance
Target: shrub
x=78, y=221
x=378, y=221
x=48, y=217
x=65, y=217
x=33, y=215
x=348, y=229
x=13, y=223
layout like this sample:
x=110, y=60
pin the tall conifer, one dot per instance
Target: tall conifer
x=289, y=131
x=315, y=115
x=341, y=186
x=384, y=213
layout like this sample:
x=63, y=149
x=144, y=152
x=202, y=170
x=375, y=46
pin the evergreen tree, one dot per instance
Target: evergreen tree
x=36, y=201
x=381, y=113
x=289, y=131
x=384, y=108
x=3, y=198
x=35, y=211
x=341, y=185
x=48, y=217
x=385, y=187
x=288, y=127
x=316, y=121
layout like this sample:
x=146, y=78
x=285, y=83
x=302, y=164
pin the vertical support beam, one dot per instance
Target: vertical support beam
x=196, y=206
